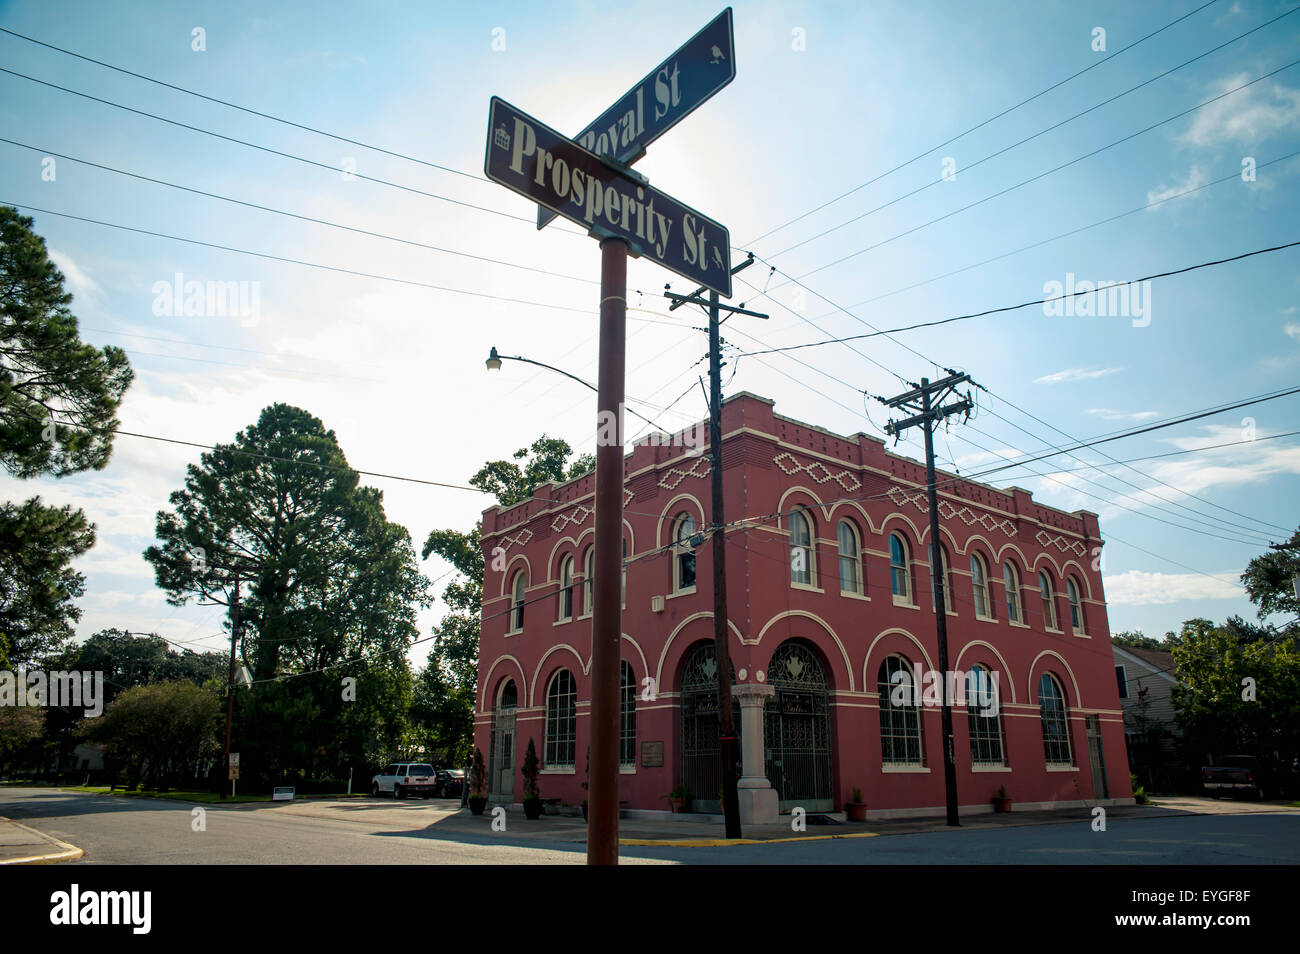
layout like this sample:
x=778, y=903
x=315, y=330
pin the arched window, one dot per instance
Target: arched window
x=900, y=713
x=588, y=596
x=947, y=579
x=850, y=559
x=900, y=578
x=1056, y=732
x=1076, y=607
x=684, y=561
x=517, y=602
x=801, y=549
x=561, y=720
x=627, y=716
x=1012, y=580
x=566, y=588
x=979, y=580
x=983, y=708
x=1049, y=599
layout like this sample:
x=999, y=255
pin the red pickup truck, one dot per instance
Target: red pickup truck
x=1235, y=774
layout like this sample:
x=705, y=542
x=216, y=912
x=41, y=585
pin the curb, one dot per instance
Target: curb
x=724, y=842
x=66, y=851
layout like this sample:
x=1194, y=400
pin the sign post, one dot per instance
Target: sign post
x=589, y=182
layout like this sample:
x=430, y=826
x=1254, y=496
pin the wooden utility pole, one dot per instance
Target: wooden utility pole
x=926, y=401
x=230, y=682
x=728, y=747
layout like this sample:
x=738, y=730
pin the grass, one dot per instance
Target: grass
x=190, y=795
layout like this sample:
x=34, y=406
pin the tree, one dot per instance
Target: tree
x=162, y=732
x=330, y=582
x=1268, y=580
x=444, y=712
x=21, y=728
x=58, y=401
x=1136, y=639
x=37, y=583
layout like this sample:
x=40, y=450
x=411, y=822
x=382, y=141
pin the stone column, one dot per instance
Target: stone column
x=759, y=804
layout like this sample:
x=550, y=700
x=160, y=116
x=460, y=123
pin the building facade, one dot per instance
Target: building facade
x=832, y=633
x=1146, y=679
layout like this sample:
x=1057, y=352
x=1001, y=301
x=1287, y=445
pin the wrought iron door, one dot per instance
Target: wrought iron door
x=797, y=737
x=700, y=752
x=501, y=776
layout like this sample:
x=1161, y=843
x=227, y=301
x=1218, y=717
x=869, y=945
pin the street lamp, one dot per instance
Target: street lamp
x=494, y=364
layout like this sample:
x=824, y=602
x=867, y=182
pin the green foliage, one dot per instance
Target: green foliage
x=531, y=770
x=478, y=774
x=1268, y=580
x=37, y=583
x=46, y=371
x=329, y=580
x=1139, y=793
x=1213, y=664
x=1136, y=639
x=546, y=460
x=162, y=730
x=20, y=729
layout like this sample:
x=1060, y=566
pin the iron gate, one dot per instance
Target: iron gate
x=501, y=758
x=700, y=752
x=796, y=726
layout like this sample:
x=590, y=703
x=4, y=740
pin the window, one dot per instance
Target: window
x=561, y=721
x=588, y=596
x=1121, y=677
x=850, y=559
x=1012, y=579
x=1049, y=600
x=899, y=576
x=1076, y=607
x=517, y=602
x=627, y=716
x=801, y=551
x=947, y=579
x=900, y=725
x=1056, y=734
x=566, y=588
x=684, y=562
x=979, y=579
x=983, y=718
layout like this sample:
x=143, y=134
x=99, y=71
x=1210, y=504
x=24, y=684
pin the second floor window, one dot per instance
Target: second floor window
x=801, y=552
x=1012, y=580
x=684, y=559
x=517, y=602
x=1049, y=600
x=899, y=578
x=979, y=579
x=850, y=559
x=1076, y=608
x=566, y=588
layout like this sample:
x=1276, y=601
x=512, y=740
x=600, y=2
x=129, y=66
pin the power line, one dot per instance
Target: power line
x=981, y=125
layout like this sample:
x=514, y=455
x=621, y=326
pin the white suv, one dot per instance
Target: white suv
x=405, y=778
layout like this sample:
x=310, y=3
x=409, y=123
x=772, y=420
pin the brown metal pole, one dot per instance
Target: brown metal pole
x=726, y=723
x=606, y=616
x=230, y=681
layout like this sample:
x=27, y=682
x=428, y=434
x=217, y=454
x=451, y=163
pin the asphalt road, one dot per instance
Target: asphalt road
x=115, y=830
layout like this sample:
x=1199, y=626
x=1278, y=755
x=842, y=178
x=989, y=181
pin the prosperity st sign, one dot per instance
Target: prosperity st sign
x=532, y=159
x=668, y=94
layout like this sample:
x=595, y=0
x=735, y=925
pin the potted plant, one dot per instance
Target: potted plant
x=532, y=797
x=856, y=807
x=680, y=798
x=1002, y=801
x=478, y=784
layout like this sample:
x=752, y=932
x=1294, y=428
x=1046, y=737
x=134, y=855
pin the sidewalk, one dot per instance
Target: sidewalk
x=20, y=845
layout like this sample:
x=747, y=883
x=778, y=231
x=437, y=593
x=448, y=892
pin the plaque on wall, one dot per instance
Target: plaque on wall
x=652, y=755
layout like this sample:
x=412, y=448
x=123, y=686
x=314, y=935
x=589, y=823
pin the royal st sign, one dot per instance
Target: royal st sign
x=668, y=94
x=532, y=159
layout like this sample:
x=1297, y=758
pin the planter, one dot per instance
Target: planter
x=477, y=803
x=857, y=811
x=1002, y=805
x=679, y=805
x=584, y=810
x=532, y=808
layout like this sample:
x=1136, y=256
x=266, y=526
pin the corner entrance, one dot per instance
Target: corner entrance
x=796, y=729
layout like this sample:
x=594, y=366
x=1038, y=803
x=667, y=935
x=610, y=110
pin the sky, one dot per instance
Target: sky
x=887, y=163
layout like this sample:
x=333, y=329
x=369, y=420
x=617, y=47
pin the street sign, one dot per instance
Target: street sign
x=233, y=773
x=532, y=159
x=669, y=93
x=234, y=759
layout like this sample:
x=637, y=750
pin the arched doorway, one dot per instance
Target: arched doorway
x=700, y=752
x=501, y=775
x=797, y=729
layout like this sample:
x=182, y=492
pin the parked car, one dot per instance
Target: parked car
x=405, y=778
x=450, y=782
x=1236, y=774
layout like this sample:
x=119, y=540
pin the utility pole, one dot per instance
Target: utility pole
x=729, y=750
x=230, y=682
x=926, y=403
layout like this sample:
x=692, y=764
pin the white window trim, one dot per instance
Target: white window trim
x=901, y=768
x=989, y=767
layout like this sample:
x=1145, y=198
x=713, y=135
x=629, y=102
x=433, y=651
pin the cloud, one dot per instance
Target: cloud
x=1110, y=415
x=1139, y=588
x=1196, y=177
x=1293, y=330
x=1076, y=374
x=1249, y=116
x=77, y=278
